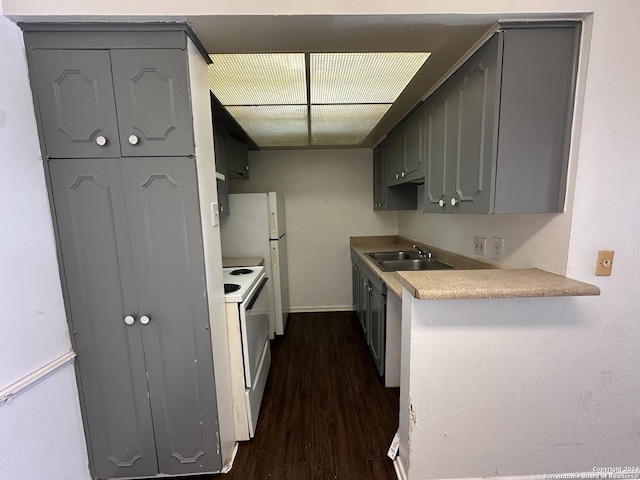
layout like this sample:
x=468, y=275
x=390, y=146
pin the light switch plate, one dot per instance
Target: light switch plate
x=479, y=246
x=497, y=248
x=215, y=214
x=605, y=263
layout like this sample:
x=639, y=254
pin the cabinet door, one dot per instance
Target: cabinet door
x=153, y=102
x=166, y=241
x=220, y=149
x=376, y=327
x=355, y=288
x=441, y=125
x=74, y=97
x=237, y=157
x=100, y=291
x=364, y=307
x=473, y=165
x=393, y=157
x=414, y=131
x=378, y=180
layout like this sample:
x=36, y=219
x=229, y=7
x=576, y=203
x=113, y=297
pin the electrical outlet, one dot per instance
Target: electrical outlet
x=479, y=246
x=497, y=248
x=605, y=263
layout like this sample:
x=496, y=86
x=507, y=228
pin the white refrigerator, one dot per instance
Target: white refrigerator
x=255, y=227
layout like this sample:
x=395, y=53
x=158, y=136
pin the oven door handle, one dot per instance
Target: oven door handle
x=257, y=294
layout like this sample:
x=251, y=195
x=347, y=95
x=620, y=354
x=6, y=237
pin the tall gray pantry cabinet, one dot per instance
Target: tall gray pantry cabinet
x=114, y=113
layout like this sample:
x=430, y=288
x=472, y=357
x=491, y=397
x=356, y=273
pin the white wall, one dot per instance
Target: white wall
x=42, y=430
x=518, y=387
x=328, y=198
x=604, y=215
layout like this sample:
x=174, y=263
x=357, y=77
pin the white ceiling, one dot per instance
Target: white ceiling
x=447, y=37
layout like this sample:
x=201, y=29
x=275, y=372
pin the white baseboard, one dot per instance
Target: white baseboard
x=402, y=475
x=398, y=466
x=325, y=308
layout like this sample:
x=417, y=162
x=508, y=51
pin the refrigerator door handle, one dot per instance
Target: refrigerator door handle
x=274, y=257
x=273, y=224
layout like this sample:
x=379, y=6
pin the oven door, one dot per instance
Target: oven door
x=254, y=328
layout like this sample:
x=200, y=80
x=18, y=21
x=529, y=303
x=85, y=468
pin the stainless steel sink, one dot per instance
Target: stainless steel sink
x=412, y=264
x=400, y=255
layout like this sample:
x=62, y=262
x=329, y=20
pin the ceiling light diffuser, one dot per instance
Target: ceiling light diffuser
x=259, y=79
x=344, y=124
x=362, y=77
x=274, y=126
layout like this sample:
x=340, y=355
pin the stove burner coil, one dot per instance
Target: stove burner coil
x=231, y=287
x=241, y=271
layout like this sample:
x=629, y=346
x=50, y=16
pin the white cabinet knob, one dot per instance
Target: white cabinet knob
x=397, y=176
x=101, y=140
x=246, y=167
x=441, y=203
x=133, y=139
x=129, y=320
x=403, y=174
x=144, y=319
x=454, y=202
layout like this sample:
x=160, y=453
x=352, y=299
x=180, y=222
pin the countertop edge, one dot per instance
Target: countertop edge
x=471, y=283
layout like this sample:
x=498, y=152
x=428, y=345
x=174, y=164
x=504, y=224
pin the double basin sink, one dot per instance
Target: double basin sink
x=405, y=260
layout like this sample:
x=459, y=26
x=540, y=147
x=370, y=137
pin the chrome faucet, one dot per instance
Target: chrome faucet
x=422, y=253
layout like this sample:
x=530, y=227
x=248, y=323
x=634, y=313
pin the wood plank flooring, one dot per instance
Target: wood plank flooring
x=325, y=414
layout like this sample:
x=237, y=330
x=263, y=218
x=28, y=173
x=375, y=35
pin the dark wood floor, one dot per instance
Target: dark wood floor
x=325, y=414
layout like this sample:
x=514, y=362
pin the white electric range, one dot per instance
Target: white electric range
x=247, y=311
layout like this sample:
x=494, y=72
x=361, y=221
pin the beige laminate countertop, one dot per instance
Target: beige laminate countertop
x=470, y=279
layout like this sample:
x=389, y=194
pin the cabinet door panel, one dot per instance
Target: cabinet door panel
x=393, y=156
x=441, y=126
x=100, y=291
x=413, y=136
x=376, y=329
x=164, y=224
x=237, y=157
x=74, y=96
x=152, y=98
x=476, y=89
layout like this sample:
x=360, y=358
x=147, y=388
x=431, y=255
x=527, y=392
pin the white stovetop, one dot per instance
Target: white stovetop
x=247, y=281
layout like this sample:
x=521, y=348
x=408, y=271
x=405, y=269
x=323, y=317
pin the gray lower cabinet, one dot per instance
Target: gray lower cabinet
x=369, y=304
x=498, y=130
x=376, y=333
x=131, y=245
x=112, y=102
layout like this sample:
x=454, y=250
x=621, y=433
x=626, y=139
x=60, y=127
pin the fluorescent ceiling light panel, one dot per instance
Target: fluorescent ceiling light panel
x=362, y=77
x=259, y=78
x=273, y=126
x=344, y=124
x=349, y=93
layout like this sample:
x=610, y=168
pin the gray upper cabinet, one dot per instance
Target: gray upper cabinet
x=152, y=100
x=440, y=139
x=414, y=135
x=498, y=130
x=385, y=196
x=108, y=103
x=74, y=95
x=393, y=157
x=237, y=157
